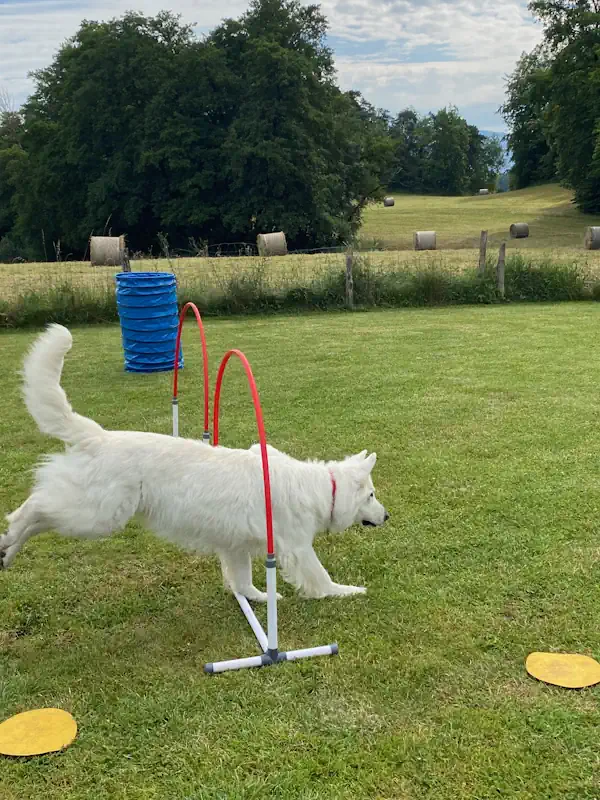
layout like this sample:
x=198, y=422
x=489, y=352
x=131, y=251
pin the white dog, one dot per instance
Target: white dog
x=204, y=499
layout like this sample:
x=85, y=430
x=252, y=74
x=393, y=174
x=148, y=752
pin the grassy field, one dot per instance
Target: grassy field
x=553, y=220
x=486, y=427
x=19, y=279
x=557, y=230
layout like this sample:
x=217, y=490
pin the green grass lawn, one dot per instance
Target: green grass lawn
x=553, y=220
x=485, y=421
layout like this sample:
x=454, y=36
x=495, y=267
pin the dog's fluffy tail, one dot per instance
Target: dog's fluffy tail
x=44, y=396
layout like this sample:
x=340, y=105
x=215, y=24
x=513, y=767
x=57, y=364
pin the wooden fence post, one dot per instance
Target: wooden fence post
x=125, y=265
x=482, y=251
x=349, y=280
x=500, y=269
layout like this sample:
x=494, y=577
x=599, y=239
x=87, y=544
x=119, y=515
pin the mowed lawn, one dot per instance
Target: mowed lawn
x=485, y=422
x=554, y=222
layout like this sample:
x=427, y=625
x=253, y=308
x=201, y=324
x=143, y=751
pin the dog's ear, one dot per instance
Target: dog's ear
x=359, y=456
x=367, y=465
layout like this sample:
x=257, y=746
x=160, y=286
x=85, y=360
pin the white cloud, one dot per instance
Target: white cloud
x=479, y=30
x=426, y=86
x=481, y=39
x=32, y=31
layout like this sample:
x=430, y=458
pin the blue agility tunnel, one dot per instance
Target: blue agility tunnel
x=147, y=306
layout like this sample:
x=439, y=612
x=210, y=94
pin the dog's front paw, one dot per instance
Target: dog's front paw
x=339, y=590
x=5, y=557
x=3, y=549
x=256, y=596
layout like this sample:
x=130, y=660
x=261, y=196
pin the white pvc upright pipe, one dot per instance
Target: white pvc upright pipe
x=271, y=604
x=175, y=407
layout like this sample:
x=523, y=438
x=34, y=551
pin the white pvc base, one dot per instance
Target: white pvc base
x=271, y=605
x=257, y=628
x=266, y=659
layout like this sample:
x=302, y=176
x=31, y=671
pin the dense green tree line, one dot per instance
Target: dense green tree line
x=553, y=102
x=139, y=126
x=442, y=154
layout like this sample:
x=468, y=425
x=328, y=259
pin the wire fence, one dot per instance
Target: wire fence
x=245, y=250
x=69, y=291
x=217, y=273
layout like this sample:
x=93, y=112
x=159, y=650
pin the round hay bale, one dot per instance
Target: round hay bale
x=388, y=202
x=425, y=240
x=272, y=244
x=519, y=230
x=107, y=251
x=484, y=191
x=592, y=238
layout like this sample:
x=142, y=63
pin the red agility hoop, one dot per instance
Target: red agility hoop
x=206, y=432
x=261, y=434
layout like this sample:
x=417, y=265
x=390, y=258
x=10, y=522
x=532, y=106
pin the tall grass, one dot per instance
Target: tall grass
x=545, y=280
x=65, y=302
x=257, y=290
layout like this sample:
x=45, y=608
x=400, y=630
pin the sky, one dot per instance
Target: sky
x=421, y=53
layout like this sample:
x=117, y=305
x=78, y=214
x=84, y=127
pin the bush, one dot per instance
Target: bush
x=64, y=303
x=10, y=251
x=544, y=280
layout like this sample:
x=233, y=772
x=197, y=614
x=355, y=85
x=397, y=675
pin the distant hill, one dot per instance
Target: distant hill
x=553, y=219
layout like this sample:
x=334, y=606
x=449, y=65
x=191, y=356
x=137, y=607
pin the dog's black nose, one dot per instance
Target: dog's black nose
x=387, y=516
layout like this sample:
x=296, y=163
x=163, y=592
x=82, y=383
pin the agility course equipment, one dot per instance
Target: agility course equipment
x=147, y=306
x=34, y=733
x=175, y=401
x=268, y=641
x=569, y=670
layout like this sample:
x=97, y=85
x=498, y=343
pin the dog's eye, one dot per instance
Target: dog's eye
x=372, y=495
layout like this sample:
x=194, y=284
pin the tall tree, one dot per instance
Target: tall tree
x=485, y=158
x=86, y=131
x=553, y=104
x=412, y=137
x=299, y=154
x=525, y=110
x=138, y=126
x=449, y=168
x=11, y=157
x=572, y=31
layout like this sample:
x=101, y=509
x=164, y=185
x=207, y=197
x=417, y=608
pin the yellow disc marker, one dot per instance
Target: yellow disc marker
x=33, y=733
x=569, y=670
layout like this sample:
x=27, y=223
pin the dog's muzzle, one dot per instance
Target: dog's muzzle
x=368, y=524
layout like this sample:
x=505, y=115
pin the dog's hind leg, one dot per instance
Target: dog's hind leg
x=303, y=570
x=236, y=566
x=25, y=522
x=70, y=513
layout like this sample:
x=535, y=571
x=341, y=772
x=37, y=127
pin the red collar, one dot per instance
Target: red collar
x=333, y=494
